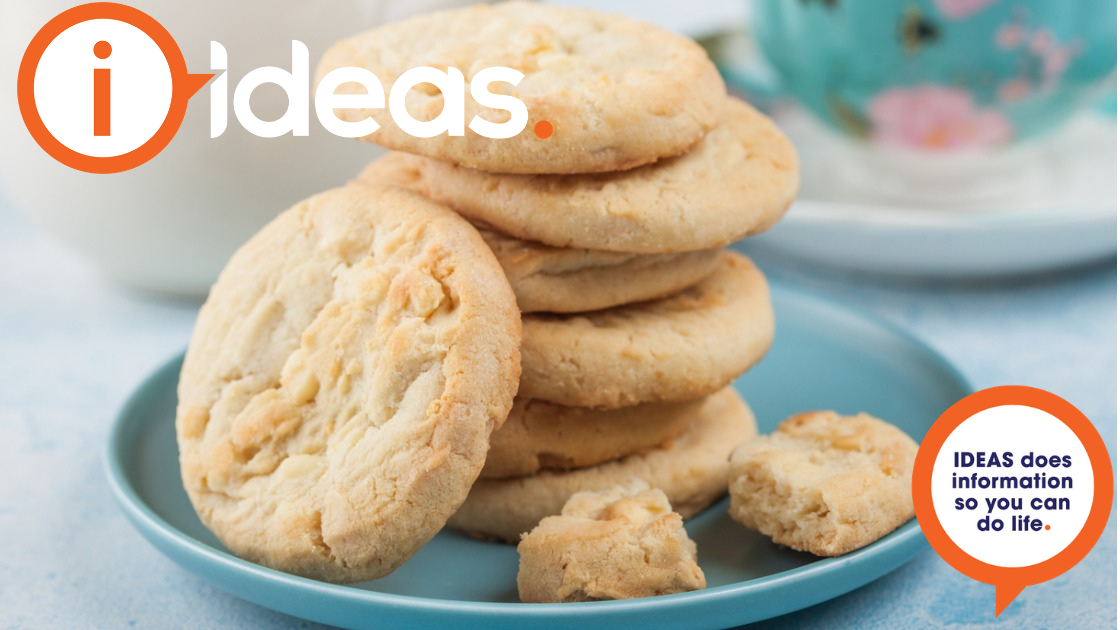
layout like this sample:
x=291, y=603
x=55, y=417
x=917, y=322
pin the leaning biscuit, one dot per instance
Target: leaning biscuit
x=825, y=483
x=339, y=391
x=738, y=181
x=678, y=348
x=539, y=435
x=692, y=471
x=619, y=543
x=568, y=280
x=618, y=93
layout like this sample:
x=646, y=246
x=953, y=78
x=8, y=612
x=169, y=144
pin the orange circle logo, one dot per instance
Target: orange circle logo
x=1051, y=472
x=41, y=97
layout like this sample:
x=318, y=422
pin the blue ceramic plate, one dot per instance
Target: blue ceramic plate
x=824, y=357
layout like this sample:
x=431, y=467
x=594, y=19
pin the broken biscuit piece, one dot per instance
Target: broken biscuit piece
x=824, y=483
x=619, y=543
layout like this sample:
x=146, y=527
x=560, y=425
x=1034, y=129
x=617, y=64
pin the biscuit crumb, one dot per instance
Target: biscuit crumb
x=619, y=543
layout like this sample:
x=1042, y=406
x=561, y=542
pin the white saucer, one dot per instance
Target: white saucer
x=1068, y=220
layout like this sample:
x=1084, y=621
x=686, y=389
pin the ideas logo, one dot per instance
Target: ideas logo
x=103, y=88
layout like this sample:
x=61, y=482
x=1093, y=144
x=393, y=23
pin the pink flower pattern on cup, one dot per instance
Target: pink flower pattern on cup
x=1056, y=61
x=1014, y=90
x=1042, y=58
x=1042, y=41
x=935, y=117
x=957, y=9
x=1010, y=36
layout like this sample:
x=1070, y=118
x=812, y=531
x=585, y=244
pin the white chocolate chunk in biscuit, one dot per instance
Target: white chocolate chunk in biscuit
x=824, y=483
x=619, y=543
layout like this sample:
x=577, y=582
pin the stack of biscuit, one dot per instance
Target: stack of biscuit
x=611, y=233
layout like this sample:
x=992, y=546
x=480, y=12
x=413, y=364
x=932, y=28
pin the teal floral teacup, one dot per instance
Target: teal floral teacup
x=940, y=76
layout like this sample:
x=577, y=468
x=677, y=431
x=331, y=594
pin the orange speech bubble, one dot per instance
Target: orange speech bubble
x=1010, y=581
x=185, y=86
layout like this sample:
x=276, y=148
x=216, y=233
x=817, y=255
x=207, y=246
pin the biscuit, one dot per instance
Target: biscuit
x=619, y=543
x=539, y=435
x=566, y=280
x=825, y=483
x=678, y=348
x=692, y=471
x=738, y=181
x=618, y=93
x=342, y=382
x=561, y=280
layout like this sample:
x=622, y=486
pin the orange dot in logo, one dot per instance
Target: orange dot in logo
x=1047, y=528
x=102, y=50
x=543, y=129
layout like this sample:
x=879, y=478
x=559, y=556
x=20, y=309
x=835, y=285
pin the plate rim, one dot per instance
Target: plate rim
x=906, y=541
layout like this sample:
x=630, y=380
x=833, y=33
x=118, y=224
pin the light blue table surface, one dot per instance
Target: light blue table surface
x=73, y=346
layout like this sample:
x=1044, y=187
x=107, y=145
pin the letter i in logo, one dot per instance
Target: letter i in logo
x=136, y=106
x=101, y=102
